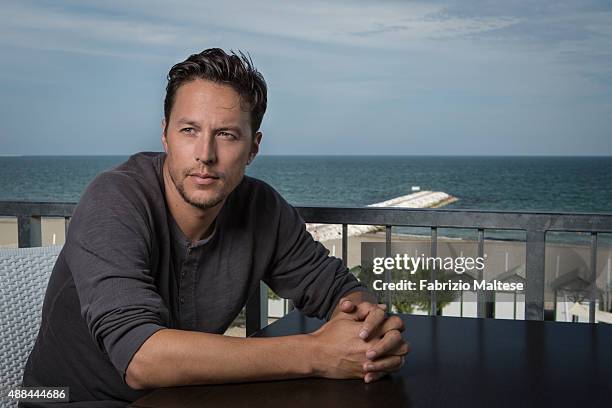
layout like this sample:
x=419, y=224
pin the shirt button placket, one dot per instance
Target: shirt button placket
x=183, y=272
x=186, y=284
x=186, y=262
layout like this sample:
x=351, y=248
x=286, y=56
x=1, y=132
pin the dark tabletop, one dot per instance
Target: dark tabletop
x=455, y=362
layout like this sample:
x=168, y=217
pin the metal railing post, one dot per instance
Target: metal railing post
x=593, y=288
x=345, y=244
x=257, y=309
x=387, y=271
x=29, y=231
x=433, y=308
x=534, y=269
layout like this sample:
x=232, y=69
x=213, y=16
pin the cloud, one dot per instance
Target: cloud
x=150, y=24
x=158, y=27
x=546, y=22
x=47, y=28
x=448, y=66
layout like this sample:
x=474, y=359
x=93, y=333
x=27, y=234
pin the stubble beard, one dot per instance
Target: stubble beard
x=205, y=204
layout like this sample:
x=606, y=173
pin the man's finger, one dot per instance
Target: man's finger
x=375, y=318
x=365, y=308
x=393, y=322
x=392, y=343
x=371, y=377
x=347, y=306
x=386, y=365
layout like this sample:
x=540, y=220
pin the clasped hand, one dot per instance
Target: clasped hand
x=364, y=341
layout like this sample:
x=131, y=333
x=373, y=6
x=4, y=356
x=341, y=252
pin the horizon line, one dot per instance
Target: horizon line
x=328, y=155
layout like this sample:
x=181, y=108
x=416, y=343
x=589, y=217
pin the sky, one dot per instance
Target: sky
x=344, y=77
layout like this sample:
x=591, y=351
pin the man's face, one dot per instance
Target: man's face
x=208, y=142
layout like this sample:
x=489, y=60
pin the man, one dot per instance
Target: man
x=163, y=251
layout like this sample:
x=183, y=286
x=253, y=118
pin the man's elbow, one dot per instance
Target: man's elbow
x=141, y=372
x=135, y=376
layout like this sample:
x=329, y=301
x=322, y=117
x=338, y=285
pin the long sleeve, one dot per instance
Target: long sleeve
x=303, y=271
x=109, y=255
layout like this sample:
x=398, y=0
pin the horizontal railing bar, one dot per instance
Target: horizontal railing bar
x=401, y=217
x=35, y=209
x=440, y=218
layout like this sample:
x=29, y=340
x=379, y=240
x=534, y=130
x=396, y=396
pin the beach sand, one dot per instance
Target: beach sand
x=52, y=229
x=503, y=259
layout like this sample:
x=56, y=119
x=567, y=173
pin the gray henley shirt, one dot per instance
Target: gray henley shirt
x=127, y=271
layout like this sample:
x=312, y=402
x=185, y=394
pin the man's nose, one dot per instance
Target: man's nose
x=206, y=149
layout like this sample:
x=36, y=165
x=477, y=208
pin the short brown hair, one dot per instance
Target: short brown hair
x=233, y=69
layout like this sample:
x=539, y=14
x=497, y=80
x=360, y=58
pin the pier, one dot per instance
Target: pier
x=421, y=199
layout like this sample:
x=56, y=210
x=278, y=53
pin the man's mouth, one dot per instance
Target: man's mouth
x=204, y=178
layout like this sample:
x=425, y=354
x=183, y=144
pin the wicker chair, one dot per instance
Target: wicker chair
x=24, y=273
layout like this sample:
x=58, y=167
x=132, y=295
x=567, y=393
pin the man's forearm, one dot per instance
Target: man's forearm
x=176, y=357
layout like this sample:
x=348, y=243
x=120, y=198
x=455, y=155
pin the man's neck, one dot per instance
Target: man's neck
x=195, y=223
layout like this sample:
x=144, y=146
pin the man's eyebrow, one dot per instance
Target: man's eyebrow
x=187, y=121
x=229, y=127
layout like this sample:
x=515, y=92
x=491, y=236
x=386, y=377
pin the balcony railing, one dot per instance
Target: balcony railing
x=535, y=225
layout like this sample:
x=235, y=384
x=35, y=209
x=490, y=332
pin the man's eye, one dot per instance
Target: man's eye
x=188, y=130
x=227, y=135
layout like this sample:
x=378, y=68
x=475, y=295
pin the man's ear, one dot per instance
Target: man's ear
x=163, y=138
x=255, y=146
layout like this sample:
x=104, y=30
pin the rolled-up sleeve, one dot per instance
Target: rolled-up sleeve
x=304, y=272
x=108, y=250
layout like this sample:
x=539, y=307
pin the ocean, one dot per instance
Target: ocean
x=558, y=184
x=550, y=184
